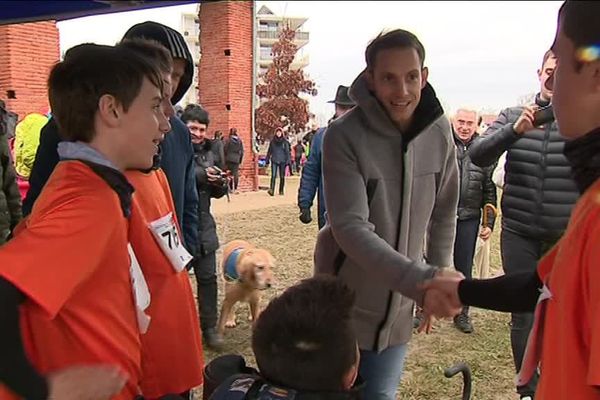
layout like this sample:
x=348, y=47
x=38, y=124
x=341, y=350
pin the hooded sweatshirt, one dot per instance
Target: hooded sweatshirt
x=391, y=201
x=176, y=150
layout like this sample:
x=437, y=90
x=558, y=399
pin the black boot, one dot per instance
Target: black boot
x=213, y=339
x=462, y=322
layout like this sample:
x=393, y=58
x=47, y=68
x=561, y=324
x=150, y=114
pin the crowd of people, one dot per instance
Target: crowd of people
x=95, y=298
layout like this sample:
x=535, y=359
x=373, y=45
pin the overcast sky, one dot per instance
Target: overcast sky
x=480, y=54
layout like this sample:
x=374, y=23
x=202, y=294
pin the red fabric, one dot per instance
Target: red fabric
x=172, y=359
x=570, y=359
x=70, y=259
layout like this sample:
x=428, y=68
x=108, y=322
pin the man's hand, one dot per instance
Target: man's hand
x=441, y=296
x=525, y=121
x=305, y=215
x=426, y=324
x=212, y=174
x=485, y=233
x=85, y=383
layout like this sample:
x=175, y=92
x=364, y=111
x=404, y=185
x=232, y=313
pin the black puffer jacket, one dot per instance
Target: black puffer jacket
x=279, y=151
x=207, y=229
x=10, y=199
x=539, y=192
x=476, y=186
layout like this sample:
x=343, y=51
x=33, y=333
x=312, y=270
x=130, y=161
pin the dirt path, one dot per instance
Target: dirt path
x=257, y=200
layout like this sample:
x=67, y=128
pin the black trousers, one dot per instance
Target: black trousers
x=520, y=254
x=464, y=246
x=235, y=171
x=205, y=270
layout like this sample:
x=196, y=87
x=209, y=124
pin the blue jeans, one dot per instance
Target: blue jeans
x=382, y=372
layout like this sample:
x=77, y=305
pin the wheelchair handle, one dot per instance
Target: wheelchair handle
x=466, y=372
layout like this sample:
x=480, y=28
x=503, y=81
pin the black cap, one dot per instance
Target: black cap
x=341, y=97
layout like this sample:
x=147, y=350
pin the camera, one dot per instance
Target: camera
x=543, y=116
x=222, y=180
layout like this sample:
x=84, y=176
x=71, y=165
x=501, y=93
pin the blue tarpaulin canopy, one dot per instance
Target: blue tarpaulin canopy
x=29, y=11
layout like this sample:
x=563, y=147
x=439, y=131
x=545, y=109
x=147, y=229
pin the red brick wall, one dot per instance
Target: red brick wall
x=27, y=52
x=227, y=80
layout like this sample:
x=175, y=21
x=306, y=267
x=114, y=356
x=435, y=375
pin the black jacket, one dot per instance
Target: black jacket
x=538, y=192
x=476, y=186
x=234, y=150
x=279, y=151
x=10, y=198
x=204, y=157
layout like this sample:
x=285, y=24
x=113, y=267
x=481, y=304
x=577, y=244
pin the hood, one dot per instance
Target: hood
x=176, y=45
x=202, y=147
x=426, y=113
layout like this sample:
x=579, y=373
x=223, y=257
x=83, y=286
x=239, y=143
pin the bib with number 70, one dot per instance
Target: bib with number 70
x=166, y=234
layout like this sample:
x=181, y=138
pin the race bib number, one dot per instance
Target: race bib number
x=141, y=294
x=166, y=234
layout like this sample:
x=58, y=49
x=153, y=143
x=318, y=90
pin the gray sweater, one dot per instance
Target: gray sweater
x=390, y=205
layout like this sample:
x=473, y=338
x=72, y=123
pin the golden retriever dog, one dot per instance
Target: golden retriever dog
x=247, y=270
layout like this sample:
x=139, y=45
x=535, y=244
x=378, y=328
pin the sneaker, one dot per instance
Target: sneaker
x=281, y=192
x=462, y=322
x=417, y=319
x=270, y=192
x=213, y=339
x=526, y=397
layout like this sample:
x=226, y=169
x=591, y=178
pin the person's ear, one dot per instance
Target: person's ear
x=424, y=76
x=109, y=110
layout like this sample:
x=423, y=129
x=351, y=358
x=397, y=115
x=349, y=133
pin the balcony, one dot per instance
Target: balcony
x=274, y=35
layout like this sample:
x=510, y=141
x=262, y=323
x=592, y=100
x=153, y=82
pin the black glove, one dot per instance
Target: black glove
x=305, y=215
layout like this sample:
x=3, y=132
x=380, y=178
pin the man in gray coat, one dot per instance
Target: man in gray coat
x=391, y=184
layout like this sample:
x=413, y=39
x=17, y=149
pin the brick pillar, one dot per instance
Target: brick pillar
x=225, y=75
x=27, y=52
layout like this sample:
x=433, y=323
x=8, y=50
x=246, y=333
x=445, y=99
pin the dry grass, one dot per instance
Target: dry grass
x=487, y=351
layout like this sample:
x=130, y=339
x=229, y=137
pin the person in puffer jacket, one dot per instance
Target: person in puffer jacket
x=538, y=194
x=476, y=190
x=27, y=140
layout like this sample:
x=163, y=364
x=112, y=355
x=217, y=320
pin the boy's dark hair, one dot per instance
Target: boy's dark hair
x=304, y=339
x=580, y=22
x=152, y=50
x=88, y=72
x=194, y=112
x=398, y=38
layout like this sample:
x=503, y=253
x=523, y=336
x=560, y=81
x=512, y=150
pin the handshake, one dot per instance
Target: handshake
x=441, y=298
